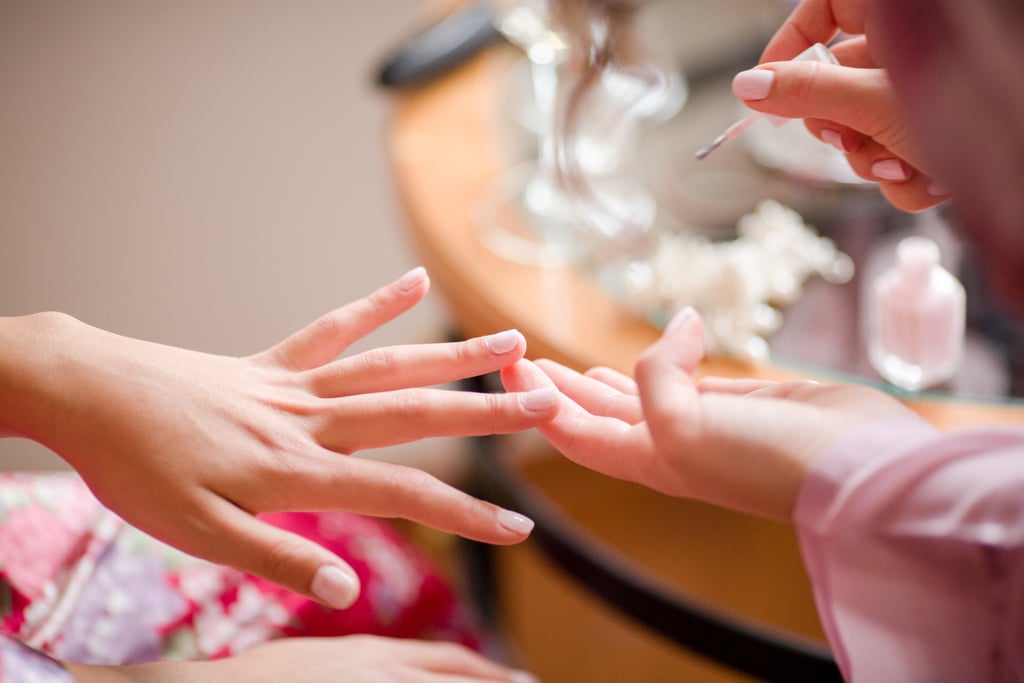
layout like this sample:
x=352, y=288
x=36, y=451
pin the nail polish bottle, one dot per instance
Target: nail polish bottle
x=916, y=313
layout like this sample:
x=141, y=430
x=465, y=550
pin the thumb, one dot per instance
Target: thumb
x=861, y=99
x=663, y=373
x=285, y=558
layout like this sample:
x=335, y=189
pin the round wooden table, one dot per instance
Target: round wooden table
x=445, y=149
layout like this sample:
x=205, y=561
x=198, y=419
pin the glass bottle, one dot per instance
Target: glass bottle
x=916, y=318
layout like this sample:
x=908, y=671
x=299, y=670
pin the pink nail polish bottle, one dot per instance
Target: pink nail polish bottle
x=916, y=313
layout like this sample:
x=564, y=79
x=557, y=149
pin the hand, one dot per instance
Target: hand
x=853, y=107
x=189, y=447
x=352, y=659
x=741, y=444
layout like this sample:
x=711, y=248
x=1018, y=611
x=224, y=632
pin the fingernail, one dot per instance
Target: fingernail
x=888, y=169
x=754, y=84
x=515, y=522
x=502, y=342
x=937, y=189
x=538, y=399
x=681, y=316
x=412, y=278
x=335, y=586
x=834, y=138
x=523, y=677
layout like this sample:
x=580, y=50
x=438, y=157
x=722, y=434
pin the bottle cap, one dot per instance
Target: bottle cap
x=915, y=257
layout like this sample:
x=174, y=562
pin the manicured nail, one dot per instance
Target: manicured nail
x=538, y=399
x=411, y=279
x=834, y=138
x=515, y=522
x=681, y=316
x=937, y=189
x=335, y=586
x=523, y=677
x=888, y=169
x=754, y=84
x=502, y=342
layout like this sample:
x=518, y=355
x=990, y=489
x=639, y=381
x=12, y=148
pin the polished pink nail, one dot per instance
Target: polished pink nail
x=413, y=278
x=335, y=586
x=502, y=342
x=834, y=138
x=515, y=522
x=888, y=169
x=754, y=84
x=682, y=315
x=538, y=399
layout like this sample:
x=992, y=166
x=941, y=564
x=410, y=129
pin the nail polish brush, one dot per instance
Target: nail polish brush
x=815, y=53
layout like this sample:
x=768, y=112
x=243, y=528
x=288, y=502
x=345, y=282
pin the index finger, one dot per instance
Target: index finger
x=814, y=21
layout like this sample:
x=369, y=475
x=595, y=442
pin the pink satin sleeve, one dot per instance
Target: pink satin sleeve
x=913, y=542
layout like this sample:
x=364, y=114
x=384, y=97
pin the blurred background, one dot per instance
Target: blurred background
x=202, y=174
x=214, y=174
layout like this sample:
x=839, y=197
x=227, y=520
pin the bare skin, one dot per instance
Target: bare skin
x=190, y=447
x=740, y=444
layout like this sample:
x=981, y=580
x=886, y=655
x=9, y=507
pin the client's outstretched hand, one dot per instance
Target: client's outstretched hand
x=741, y=444
x=190, y=446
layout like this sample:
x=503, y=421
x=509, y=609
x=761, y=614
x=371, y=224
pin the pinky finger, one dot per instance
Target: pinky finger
x=918, y=194
x=285, y=558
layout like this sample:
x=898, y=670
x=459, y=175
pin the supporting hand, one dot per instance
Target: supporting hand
x=852, y=107
x=741, y=444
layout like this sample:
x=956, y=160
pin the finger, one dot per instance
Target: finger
x=861, y=99
x=597, y=398
x=401, y=367
x=356, y=423
x=757, y=387
x=920, y=194
x=324, y=339
x=843, y=138
x=604, y=444
x=667, y=391
x=381, y=489
x=455, y=660
x=853, y=52
x=726, y=385
x=814, y=21
x=524, y=375
x=280, y=556
x=433, y=677
x=614, y=379
x=904, y=186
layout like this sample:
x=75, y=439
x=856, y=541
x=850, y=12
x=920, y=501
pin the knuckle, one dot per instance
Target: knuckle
x=412, y=404
x=407, y=484
x=330, y=325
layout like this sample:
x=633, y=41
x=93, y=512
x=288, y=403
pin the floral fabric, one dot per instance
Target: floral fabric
x=78, y=583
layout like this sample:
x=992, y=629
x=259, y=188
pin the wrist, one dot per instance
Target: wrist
x=30, y=371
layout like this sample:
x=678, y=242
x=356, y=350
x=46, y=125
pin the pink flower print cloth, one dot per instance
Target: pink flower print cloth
x=81, y=585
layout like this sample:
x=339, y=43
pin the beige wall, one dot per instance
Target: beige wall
x=206, y=173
